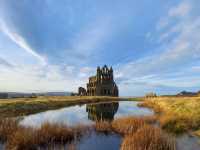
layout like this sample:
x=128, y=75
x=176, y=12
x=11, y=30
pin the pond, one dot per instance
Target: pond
x=87, y=114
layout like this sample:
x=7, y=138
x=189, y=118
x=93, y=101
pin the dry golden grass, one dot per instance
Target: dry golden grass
x=127, y=125
x=198, y=132
x=7, y=127
x=22, y=139
x=148, y=138
x=18, y=137
x=149, y=119
x=56, y=133
x=176, y=114
x=103, y=126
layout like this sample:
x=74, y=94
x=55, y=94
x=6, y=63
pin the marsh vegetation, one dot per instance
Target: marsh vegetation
x=126, y=124
x=176, y=114
x=19, y=137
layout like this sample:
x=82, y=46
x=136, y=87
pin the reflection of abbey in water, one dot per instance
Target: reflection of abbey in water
x=102, y=84
x=102, y=111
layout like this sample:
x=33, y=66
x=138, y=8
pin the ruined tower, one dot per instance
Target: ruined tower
x=102, y=84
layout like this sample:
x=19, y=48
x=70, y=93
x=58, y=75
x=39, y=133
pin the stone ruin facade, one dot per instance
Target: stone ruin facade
x=102, y=84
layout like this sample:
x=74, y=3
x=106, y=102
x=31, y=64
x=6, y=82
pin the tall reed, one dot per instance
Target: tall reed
x=148, y=138
x=18, y=137
x=7, y=127
x=127, y=125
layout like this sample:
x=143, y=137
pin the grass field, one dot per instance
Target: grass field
x=25, y=106
x=177, y=114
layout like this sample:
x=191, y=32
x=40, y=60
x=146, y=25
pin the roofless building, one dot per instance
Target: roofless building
x=102, y=84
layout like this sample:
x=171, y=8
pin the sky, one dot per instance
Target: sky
x=50, y=45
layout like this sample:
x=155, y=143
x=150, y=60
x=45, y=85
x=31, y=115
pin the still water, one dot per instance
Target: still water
x=86, y=114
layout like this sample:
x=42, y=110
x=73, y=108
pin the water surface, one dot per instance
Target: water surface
x=2, y=146
x=187, y=142
x=100, y=142
x=87, y=113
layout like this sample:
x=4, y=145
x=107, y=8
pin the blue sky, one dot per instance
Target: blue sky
x=49, y=45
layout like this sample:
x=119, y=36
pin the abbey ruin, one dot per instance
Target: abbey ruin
x=102, y=84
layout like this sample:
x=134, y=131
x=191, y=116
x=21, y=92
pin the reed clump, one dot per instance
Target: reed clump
x=127, y=125
x=103, y=127
x=7, y=127
x=18, y=137
x=22, y=139
x=148, y=138
x=52, y=132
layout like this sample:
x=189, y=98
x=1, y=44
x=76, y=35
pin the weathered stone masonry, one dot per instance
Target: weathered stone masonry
x=102, y=84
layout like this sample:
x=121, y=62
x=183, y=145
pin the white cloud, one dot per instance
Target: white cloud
x=5, y=63
x=181, y=32
x=20, y=41
x=38, y=78
x=181, y=10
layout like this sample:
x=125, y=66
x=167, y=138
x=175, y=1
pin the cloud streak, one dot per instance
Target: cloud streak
x=5, y=63
x=20, y=41
x=182, y=28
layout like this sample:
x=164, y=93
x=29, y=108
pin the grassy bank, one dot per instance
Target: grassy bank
x=135, y=98
x=177, y=114
x=26, y=106
x=137, y=133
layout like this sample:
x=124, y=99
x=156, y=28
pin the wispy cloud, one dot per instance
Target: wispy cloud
x=174, y=56
x=39, y=78
x=5, y=63
x=20, y=41
x=88, y=41
x=181, y=10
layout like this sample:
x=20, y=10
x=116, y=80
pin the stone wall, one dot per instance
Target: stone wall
x=102, y=84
